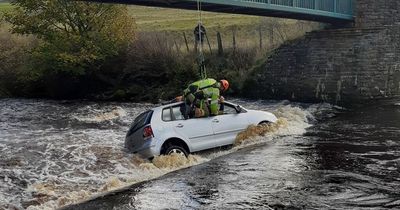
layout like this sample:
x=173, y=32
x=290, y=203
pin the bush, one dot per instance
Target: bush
x=76, y=40
x=154, y=65
x=15, y=79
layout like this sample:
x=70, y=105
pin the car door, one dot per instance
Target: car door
x=228, y=125
x=197, y=131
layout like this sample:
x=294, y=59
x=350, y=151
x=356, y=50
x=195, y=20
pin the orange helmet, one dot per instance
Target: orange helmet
x=224, y=85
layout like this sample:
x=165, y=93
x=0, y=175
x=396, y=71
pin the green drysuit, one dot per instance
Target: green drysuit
x=199, y=92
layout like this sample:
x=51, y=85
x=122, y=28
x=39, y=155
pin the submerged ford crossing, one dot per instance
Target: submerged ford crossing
x=164, y=130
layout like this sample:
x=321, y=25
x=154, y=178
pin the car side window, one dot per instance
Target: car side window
x=177, y=114
x=172, y=114
x=229, y=109
x=166, y=114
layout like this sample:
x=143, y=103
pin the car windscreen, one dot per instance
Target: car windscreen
x=140, y=121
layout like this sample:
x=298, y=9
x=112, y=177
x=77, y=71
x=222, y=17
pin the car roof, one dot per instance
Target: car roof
x=167, y=105
x=179, y=103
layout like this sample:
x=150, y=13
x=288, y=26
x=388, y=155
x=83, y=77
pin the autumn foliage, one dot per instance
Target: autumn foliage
x=76, y=37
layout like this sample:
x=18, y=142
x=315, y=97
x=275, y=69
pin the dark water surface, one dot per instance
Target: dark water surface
x=350, y=161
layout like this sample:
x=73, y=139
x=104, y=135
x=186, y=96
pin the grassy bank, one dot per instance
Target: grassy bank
x=161, y=19
x=160, y=62
x=236, y=31
x=4, y=7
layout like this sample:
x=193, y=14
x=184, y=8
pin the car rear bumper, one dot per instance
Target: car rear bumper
x=148, y=152
x=147, y=149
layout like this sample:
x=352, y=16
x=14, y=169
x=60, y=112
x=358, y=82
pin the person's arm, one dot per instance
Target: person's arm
x=222, y=105
x=214, y=101
x=221, y=99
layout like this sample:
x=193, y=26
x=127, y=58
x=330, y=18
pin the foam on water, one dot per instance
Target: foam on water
x=98, y=116
x=58, y=153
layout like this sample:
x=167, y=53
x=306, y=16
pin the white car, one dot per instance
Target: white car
x=164, y=130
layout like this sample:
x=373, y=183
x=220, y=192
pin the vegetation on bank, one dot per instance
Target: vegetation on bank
x=4, y=7
x=88, y=50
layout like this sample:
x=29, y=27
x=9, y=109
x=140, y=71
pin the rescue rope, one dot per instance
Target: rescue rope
x=201, y=60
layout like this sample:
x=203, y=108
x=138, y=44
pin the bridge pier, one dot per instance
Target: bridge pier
x=341, y=66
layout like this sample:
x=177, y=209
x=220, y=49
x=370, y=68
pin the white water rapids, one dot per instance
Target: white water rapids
x=57, y=153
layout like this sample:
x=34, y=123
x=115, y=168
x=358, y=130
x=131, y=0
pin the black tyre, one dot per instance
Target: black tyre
x=265, y=123
x=176, y=149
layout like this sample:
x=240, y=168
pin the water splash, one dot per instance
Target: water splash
x=259, y=130
x=112, y=184
x=144, y=170
x=176, y=161
x=298, y=119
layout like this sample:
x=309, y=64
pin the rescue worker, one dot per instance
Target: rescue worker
x=197, y=94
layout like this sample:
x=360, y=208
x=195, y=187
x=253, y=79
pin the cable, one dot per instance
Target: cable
x=200, y=23
x=202, y=67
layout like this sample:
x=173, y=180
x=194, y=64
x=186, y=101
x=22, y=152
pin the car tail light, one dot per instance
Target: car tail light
x=148, y=132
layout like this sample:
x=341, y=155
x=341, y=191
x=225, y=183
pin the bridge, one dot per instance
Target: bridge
x=342, y=65
x=331, y=11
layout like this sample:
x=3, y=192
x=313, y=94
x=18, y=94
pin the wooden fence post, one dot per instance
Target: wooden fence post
x=186, y=42
x=219, y=41
x=234, y=39
x=209, y=45
x=271, y=35
x=177, y=47
x=260, y=34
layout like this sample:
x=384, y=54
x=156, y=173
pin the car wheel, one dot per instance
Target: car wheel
x=265, y=123
x=174, y=149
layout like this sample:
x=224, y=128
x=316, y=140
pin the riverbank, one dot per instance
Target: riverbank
x=158, y=63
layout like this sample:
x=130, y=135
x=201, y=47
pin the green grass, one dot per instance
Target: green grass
x=4, y=7
x=160, y=19
x=175, y=21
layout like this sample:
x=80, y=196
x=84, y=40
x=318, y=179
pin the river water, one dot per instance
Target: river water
x=56, y=153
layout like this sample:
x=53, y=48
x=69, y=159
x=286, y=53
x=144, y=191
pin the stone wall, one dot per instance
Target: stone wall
x=371, y=13
x=342, y=66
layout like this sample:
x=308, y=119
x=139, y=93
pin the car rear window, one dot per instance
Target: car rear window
x=140, y=121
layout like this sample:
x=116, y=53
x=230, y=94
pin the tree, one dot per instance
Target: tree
x=76, y=37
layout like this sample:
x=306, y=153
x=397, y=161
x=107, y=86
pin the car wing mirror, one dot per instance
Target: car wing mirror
x=238, y=109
